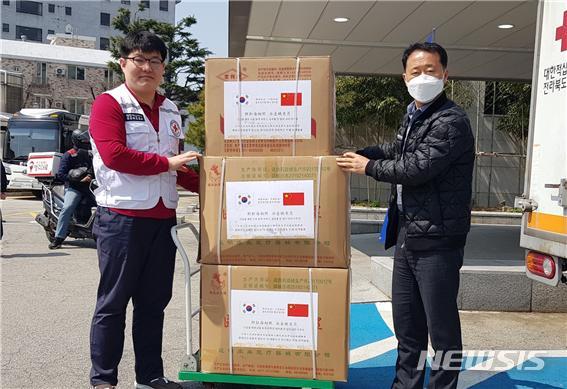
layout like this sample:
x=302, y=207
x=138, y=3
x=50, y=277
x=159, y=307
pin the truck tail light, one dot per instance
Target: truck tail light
x=540, y=264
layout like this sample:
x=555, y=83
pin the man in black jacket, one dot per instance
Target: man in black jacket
x=430, y=168
x=76, y=185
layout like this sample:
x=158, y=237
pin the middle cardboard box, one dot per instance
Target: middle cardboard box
x=274, y=211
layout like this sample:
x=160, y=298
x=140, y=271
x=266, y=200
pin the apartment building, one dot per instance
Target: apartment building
x=68, y=74
x=35, y=20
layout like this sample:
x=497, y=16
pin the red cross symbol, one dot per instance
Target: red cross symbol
x=561, y=33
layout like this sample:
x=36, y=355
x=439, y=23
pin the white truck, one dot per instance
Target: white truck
x=35, y=132
x=544, y=201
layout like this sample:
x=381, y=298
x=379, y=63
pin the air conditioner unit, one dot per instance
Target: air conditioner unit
x=60, y=71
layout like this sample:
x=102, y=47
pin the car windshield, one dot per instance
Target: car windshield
x=27, y=137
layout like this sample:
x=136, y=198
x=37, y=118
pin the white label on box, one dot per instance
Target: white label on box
x=267, y=109
x=268, y=319
x=270, y=209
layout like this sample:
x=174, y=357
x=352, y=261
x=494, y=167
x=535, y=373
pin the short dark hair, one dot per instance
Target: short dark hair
x=145, y=41
x=430, y=48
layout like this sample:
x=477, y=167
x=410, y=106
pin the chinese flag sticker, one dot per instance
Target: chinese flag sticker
x=296, y=198
x=289, y=100
x=298, y=310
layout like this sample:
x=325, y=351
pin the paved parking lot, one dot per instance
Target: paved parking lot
x=48, y=298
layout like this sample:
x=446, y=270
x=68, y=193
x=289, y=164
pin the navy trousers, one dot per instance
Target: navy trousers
x=136, y=261
x=424, y=302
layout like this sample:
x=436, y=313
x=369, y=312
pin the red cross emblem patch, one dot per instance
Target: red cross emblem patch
x=175, y=128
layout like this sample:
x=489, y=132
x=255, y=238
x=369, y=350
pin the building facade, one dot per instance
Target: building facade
x=63, y=75
x=35, y=20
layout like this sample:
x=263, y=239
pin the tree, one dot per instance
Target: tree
x=184, y=72
x=514, y=98
x=196, y=133
x=360, y=99
x=368, y=109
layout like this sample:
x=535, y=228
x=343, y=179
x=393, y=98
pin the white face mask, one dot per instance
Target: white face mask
x=425, y=88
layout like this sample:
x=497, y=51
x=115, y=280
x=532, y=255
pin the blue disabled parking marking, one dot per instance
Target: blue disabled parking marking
x=553, y=375
x=374, y=358
x=377, y=372
x=366, y=325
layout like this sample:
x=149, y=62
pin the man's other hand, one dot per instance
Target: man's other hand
x=352, y=163
x=3, y=196
x=87, y=178
x=177, y=162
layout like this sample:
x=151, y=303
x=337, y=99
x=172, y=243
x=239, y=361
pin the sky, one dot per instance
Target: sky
x=211, y=29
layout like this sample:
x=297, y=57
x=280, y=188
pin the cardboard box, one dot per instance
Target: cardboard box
x=272, y=108
x=268, y=212
x=268, y=314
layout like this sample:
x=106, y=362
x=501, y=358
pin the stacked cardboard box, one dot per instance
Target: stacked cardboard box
x=268, y=212
x=270, y=324
x=275, y=227
x=257, y=106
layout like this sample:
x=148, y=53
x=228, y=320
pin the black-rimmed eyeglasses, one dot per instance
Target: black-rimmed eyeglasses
x=139, y=61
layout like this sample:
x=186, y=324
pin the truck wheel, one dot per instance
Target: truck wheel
x=37, y=194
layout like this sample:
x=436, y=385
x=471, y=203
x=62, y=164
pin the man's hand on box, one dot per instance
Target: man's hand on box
x=352, y=163
x=177, y=162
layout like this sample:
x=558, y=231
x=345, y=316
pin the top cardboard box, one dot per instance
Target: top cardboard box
x=280, y=106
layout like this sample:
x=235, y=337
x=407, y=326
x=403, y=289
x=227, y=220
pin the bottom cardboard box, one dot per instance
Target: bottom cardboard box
x=267, y=321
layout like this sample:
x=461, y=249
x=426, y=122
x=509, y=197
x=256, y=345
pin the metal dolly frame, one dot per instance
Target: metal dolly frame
x=190, y=365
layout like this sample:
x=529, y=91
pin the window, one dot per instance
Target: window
x=40, y=101
x=75, y=105
x=50, y=32
x=31, y=33
x=75, y=72
x=163, y=5
x=109, y=78
x=29, y=7
x=145, y=3
x=41, y=73
x=68, y=11
x=5, y=27
x=5, y=2
x=104, y=43
x=125, y=2
x=104, y=19
x=29, y=136
x=51, y=8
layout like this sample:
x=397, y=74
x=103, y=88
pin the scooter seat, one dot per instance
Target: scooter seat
x=59, y=191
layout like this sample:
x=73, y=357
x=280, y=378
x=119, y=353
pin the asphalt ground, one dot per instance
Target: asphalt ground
x=48, y=297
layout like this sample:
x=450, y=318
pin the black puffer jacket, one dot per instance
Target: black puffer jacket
x=436, y=175
x=73, y=159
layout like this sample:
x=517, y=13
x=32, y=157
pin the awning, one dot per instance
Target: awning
x=377, y=32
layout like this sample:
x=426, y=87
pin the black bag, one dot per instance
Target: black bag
x=76, y=175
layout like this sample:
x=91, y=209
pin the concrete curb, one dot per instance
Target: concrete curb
x=489, y=288
x=369, y=220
